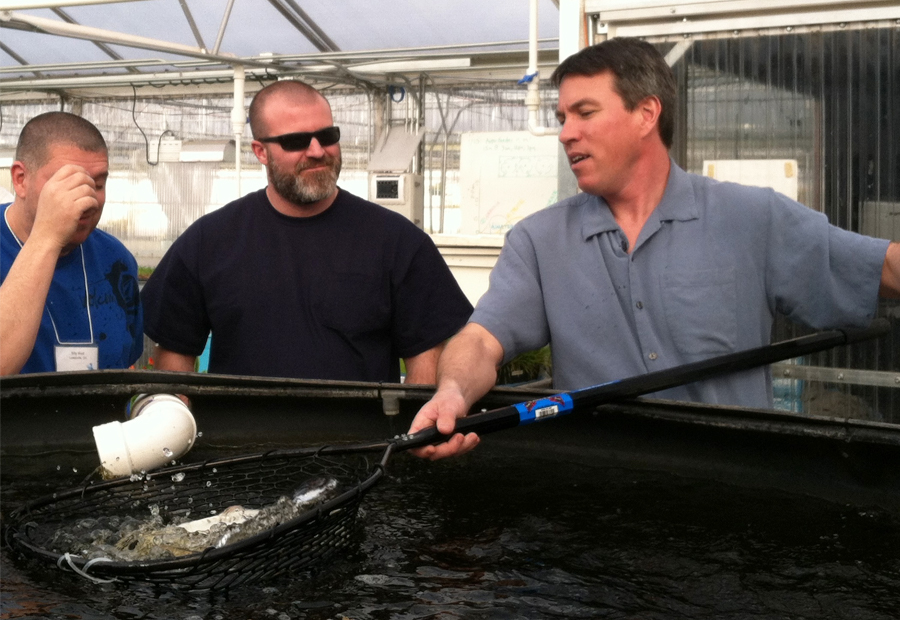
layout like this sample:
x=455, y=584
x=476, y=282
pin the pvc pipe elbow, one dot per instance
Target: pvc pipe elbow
x=161, y=430
x=538, y=130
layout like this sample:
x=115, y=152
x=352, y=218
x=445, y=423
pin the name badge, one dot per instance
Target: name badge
x=77, y=357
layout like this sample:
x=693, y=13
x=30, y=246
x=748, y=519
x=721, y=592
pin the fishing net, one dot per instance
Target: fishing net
x=302, y=543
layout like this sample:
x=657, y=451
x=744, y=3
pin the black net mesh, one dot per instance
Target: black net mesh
x=251, y=481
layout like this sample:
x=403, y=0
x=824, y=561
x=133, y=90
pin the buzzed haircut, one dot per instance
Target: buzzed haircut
x=52, y=128
x=640, y=71
x=293, y=88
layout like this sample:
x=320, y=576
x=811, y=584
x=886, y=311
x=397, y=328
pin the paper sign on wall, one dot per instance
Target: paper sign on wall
x=779, y=174
x=505, y=176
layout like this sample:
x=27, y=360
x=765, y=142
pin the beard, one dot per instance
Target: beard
x=306, y=188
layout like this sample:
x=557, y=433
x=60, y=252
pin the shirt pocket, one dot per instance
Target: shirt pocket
x=355, y=303
x=701, y=311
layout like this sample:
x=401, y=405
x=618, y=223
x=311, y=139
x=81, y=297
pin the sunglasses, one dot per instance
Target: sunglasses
x=301, y=140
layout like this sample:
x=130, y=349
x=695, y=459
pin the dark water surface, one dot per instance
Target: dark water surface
x=496, y=535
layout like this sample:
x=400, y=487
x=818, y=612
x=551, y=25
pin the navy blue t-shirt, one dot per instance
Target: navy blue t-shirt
x=340, y=295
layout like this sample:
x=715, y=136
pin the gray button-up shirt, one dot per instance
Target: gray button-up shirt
x=711, y=266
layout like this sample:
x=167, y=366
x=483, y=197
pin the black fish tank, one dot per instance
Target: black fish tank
x=645, y=509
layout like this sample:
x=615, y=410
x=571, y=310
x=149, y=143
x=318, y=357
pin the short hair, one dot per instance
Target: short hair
x=52, y=128
x=296, y=88
x=639, y=71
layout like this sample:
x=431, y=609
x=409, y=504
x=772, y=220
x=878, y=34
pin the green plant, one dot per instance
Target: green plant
x=529, y=366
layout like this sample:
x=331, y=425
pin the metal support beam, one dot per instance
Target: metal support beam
x=55, y=27
x=307, y=27
x=18, y=58
x=225, y=16
x=332, y=46
x=846, y=376
x=212, y=73
x=81, y=67
x=192, y=24
x=670, y=19
x=102, y=46
x=19, y=5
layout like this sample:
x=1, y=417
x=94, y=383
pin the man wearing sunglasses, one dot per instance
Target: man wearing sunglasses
x=302, y=279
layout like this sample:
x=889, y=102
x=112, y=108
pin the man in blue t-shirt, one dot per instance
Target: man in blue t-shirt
x=651, y=267
x=69, y=297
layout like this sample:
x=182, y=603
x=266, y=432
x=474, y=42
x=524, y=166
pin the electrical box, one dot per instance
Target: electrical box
x=169, y=150
x=402, y=192
x=391, y=184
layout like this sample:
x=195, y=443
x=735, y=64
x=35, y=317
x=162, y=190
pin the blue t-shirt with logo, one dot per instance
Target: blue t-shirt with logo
x=115, y=320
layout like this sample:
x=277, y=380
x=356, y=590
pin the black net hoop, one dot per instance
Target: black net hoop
x=302, y=543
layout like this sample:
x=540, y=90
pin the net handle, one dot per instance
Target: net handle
x=565, y=402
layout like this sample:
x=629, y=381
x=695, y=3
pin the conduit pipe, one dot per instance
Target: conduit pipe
x=447, y=132
x=238, y=118
x=532, y=76
x=161, y=429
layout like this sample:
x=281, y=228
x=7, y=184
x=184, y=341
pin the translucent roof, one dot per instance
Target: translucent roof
x=97, y=37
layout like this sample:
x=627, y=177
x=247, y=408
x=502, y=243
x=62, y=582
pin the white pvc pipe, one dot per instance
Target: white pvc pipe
x=533, y=96
x=162, y=430
x=238, y=118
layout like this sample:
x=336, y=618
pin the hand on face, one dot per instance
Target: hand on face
x=443, y=410
x=68, y=207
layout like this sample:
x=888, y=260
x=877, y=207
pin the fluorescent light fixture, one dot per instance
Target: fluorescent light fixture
x=173, y=150
x=207, y=150
x=401, y=66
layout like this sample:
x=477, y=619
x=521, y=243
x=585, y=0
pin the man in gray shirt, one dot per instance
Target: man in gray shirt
x=651, y=267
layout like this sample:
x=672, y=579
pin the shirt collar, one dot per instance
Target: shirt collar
x=596, y=216
x=677, y=204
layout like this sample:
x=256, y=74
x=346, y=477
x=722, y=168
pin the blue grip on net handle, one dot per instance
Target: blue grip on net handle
x=566, y=402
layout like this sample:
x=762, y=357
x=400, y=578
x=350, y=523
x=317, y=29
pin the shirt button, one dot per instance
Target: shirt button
x=652, y=356
x=639, y=305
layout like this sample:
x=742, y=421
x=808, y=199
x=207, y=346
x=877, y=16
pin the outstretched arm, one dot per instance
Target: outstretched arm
x=890, y=273
x=467, y=369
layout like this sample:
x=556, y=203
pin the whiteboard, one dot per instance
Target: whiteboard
x=504, y=176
